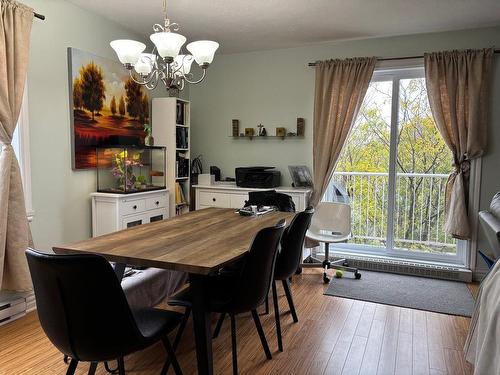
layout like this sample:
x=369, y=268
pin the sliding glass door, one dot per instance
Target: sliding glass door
x=393, y=171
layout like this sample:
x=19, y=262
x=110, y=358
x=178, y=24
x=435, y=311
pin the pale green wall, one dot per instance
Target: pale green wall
x=274, y=87
x=60, y=196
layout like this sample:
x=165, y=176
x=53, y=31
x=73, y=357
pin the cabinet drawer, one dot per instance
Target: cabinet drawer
x=211, y=199
x=132, y=206
x=159, y=201
x=238, y=200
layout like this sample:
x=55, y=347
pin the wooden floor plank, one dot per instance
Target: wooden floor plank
x=333, y=335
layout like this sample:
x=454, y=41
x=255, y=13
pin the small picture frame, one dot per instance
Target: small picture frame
x=280, y=132
x=300, y=127
x=236, y=127
x=301, y=175
x=249, y=132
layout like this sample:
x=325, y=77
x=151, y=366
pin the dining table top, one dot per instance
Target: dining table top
x=198, y=242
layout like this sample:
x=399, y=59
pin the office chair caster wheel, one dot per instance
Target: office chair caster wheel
x=326, y=279
x=357, y=275
x=346, y=264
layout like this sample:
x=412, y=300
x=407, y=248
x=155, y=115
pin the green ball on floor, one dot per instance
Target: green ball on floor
x=339, y=274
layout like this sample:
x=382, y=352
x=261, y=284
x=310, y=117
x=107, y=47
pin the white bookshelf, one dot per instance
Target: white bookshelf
x=165, y=128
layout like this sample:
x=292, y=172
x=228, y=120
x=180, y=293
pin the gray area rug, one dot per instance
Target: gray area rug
x=442, y=296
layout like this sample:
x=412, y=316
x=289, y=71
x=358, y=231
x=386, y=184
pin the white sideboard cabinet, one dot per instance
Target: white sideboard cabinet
x=112, y=212
x=231, y=196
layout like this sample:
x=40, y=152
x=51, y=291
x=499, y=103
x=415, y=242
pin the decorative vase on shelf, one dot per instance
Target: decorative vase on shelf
x=149, y=140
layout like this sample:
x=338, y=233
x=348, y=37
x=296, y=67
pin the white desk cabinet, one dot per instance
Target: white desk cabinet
x=112, y=212
x=232, y=196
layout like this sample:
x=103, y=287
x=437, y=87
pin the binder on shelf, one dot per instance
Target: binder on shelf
x=179, y=194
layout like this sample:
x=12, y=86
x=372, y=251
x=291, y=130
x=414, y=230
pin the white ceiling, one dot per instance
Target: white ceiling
x=248, y=25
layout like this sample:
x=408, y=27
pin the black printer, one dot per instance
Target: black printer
x=257, y=177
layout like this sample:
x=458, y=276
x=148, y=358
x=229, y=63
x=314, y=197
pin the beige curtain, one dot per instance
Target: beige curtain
x=340, y=89
x=458, y=86
x=15, y=27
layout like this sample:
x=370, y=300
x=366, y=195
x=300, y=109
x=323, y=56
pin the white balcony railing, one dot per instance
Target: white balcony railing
x=418, y=214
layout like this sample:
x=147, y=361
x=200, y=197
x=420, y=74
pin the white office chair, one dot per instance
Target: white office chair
x=331, y=223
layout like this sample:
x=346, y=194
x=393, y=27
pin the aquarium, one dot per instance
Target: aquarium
x=128, y=169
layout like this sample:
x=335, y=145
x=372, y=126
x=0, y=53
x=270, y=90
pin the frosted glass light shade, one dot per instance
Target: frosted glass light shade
x=203, y=51
x=128, y=51
x=145, y=63
x=168, y=44
x=185, y=61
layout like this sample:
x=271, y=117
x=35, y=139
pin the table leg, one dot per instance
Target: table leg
x=201, y=323
x=119, y=270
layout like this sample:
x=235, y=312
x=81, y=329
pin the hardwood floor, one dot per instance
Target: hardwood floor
x=333, y=336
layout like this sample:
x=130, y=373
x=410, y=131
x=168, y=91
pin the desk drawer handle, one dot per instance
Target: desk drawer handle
x=135, y=207
x=157, y=203
x=214, y=199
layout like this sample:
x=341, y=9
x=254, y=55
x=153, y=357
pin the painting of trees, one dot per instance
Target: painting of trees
x=93, y=89
x=121, y=106
x=77, y=94
x=107, y=106
x=422, y=164
x=134, y=98
x=112, y=106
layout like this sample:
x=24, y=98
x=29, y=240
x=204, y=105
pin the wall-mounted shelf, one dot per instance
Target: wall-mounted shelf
x=268, y=137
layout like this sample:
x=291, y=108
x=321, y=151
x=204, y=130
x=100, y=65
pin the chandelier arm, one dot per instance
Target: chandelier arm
x=144, y=81
x=154, y=82
x=199, y=80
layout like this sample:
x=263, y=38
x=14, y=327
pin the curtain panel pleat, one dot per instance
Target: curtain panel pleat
x=458, y=87
x=340, y=88
x=15, y=236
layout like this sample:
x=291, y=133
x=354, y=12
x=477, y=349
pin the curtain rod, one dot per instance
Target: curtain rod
x=398, y=58
x=39, y=16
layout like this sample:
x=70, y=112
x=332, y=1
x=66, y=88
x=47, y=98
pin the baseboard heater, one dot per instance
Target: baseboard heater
x=435, y=271
x=15, y=305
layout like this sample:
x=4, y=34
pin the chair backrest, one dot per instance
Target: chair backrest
x=258, y=269
x=81, y=306
x=292, y=243
x=332, y=217
x=490, y=222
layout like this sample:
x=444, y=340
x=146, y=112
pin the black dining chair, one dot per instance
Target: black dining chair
x=289, y=259
x=234, y=293
x=287, y=263
x=85, y=314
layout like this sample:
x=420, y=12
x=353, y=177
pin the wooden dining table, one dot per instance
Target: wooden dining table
x=199, y=243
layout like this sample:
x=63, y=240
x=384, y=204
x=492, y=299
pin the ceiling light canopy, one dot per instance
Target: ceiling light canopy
x=165, y=63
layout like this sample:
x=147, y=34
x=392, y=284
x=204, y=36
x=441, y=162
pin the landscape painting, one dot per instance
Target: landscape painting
x=107, y=106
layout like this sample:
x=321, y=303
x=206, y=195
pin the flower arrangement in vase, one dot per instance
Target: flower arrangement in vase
x=123, y=170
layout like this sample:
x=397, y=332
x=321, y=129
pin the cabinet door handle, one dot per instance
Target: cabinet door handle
x=135, y=207
x=213, y=199
x=157, y=203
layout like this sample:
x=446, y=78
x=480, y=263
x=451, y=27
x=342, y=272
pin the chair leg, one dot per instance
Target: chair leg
x=109, y=369
x=177, y=338
x=261, y=334
x=219, y=325
x=288, y=294
x=277, y=317
x=72, y=367
x=92, y=368
x=267, y=304
x=233, y=344
x=171, y=358
x=121, y=366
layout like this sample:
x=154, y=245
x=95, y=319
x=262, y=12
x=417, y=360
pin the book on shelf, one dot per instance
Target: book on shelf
x=181, y=165
x=181, y=138
x=179, y=194
x=179, y=118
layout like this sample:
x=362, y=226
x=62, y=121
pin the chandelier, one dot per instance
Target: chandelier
x=165, y=63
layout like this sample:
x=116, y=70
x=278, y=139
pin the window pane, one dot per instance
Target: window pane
x=362, y=171
x=423, y=164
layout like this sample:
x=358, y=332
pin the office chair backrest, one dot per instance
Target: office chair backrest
x=332, y=217
x=258, y=269
x=292, y=243
x=81, y=306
